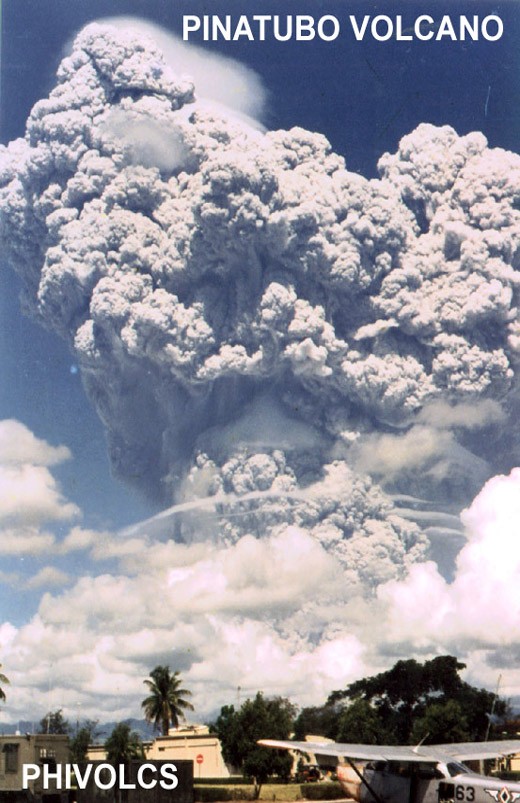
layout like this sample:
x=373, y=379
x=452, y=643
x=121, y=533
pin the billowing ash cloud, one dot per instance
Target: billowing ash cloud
x=251, y=317
x=221, y=81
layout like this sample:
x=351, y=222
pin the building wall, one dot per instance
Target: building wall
x=182, y=744
x=15, y=751
x=513, y=763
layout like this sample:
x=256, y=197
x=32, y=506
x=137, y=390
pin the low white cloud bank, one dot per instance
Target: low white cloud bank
x=226, y=615
x=19, y=446
x=481, y=607
x=30, y=497
x=271, y=613
x=219, y=616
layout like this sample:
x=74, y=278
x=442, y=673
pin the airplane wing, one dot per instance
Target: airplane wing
x=468, y=751
x=462, y=751
x=364, y=752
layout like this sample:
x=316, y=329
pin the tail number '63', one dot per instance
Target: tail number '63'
x=449, y=793
x=465, y=793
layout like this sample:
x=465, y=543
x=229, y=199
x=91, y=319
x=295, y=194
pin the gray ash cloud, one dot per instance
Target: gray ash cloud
x=248, y=315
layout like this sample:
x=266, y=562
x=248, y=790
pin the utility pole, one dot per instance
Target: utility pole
x=490, y=715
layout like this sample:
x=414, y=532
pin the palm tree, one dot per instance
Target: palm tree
x=3, y=679
x=166, y=701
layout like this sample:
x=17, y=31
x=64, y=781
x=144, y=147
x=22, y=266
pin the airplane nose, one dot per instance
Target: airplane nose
x=349, y=782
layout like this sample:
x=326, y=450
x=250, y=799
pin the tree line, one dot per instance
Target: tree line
x=407, y=704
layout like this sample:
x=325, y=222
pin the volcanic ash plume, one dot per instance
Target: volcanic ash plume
x=248, y=315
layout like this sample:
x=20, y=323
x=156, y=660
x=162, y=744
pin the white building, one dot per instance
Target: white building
x=192, y=742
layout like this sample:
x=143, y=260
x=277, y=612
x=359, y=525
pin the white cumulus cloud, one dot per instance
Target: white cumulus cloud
x=481, y=606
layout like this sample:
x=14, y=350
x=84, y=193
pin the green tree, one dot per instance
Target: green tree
x=360, y=723
x=123, y=744
x=402, y=695
x=239, y=732
x=54, y=722
x=224, y=727
x=317, y=720
x=441, y=723
x=3, y=680
x=80, y=742
x=166, y=702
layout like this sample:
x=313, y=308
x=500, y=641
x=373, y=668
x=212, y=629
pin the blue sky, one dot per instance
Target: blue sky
x=364, y=97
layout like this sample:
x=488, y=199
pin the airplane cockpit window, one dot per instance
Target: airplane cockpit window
x=457, y=768
x=428, y=771
x=406, y=769
x=402, y=770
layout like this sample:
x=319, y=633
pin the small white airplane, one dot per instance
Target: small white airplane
x=422, y=774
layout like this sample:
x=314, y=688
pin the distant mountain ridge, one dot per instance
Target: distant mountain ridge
x=103, y=730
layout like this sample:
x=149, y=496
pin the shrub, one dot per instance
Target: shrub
x=211, y=794
x=234, y=780
x=322, y=791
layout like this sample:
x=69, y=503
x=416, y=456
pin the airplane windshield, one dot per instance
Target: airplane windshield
x=456, y=768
